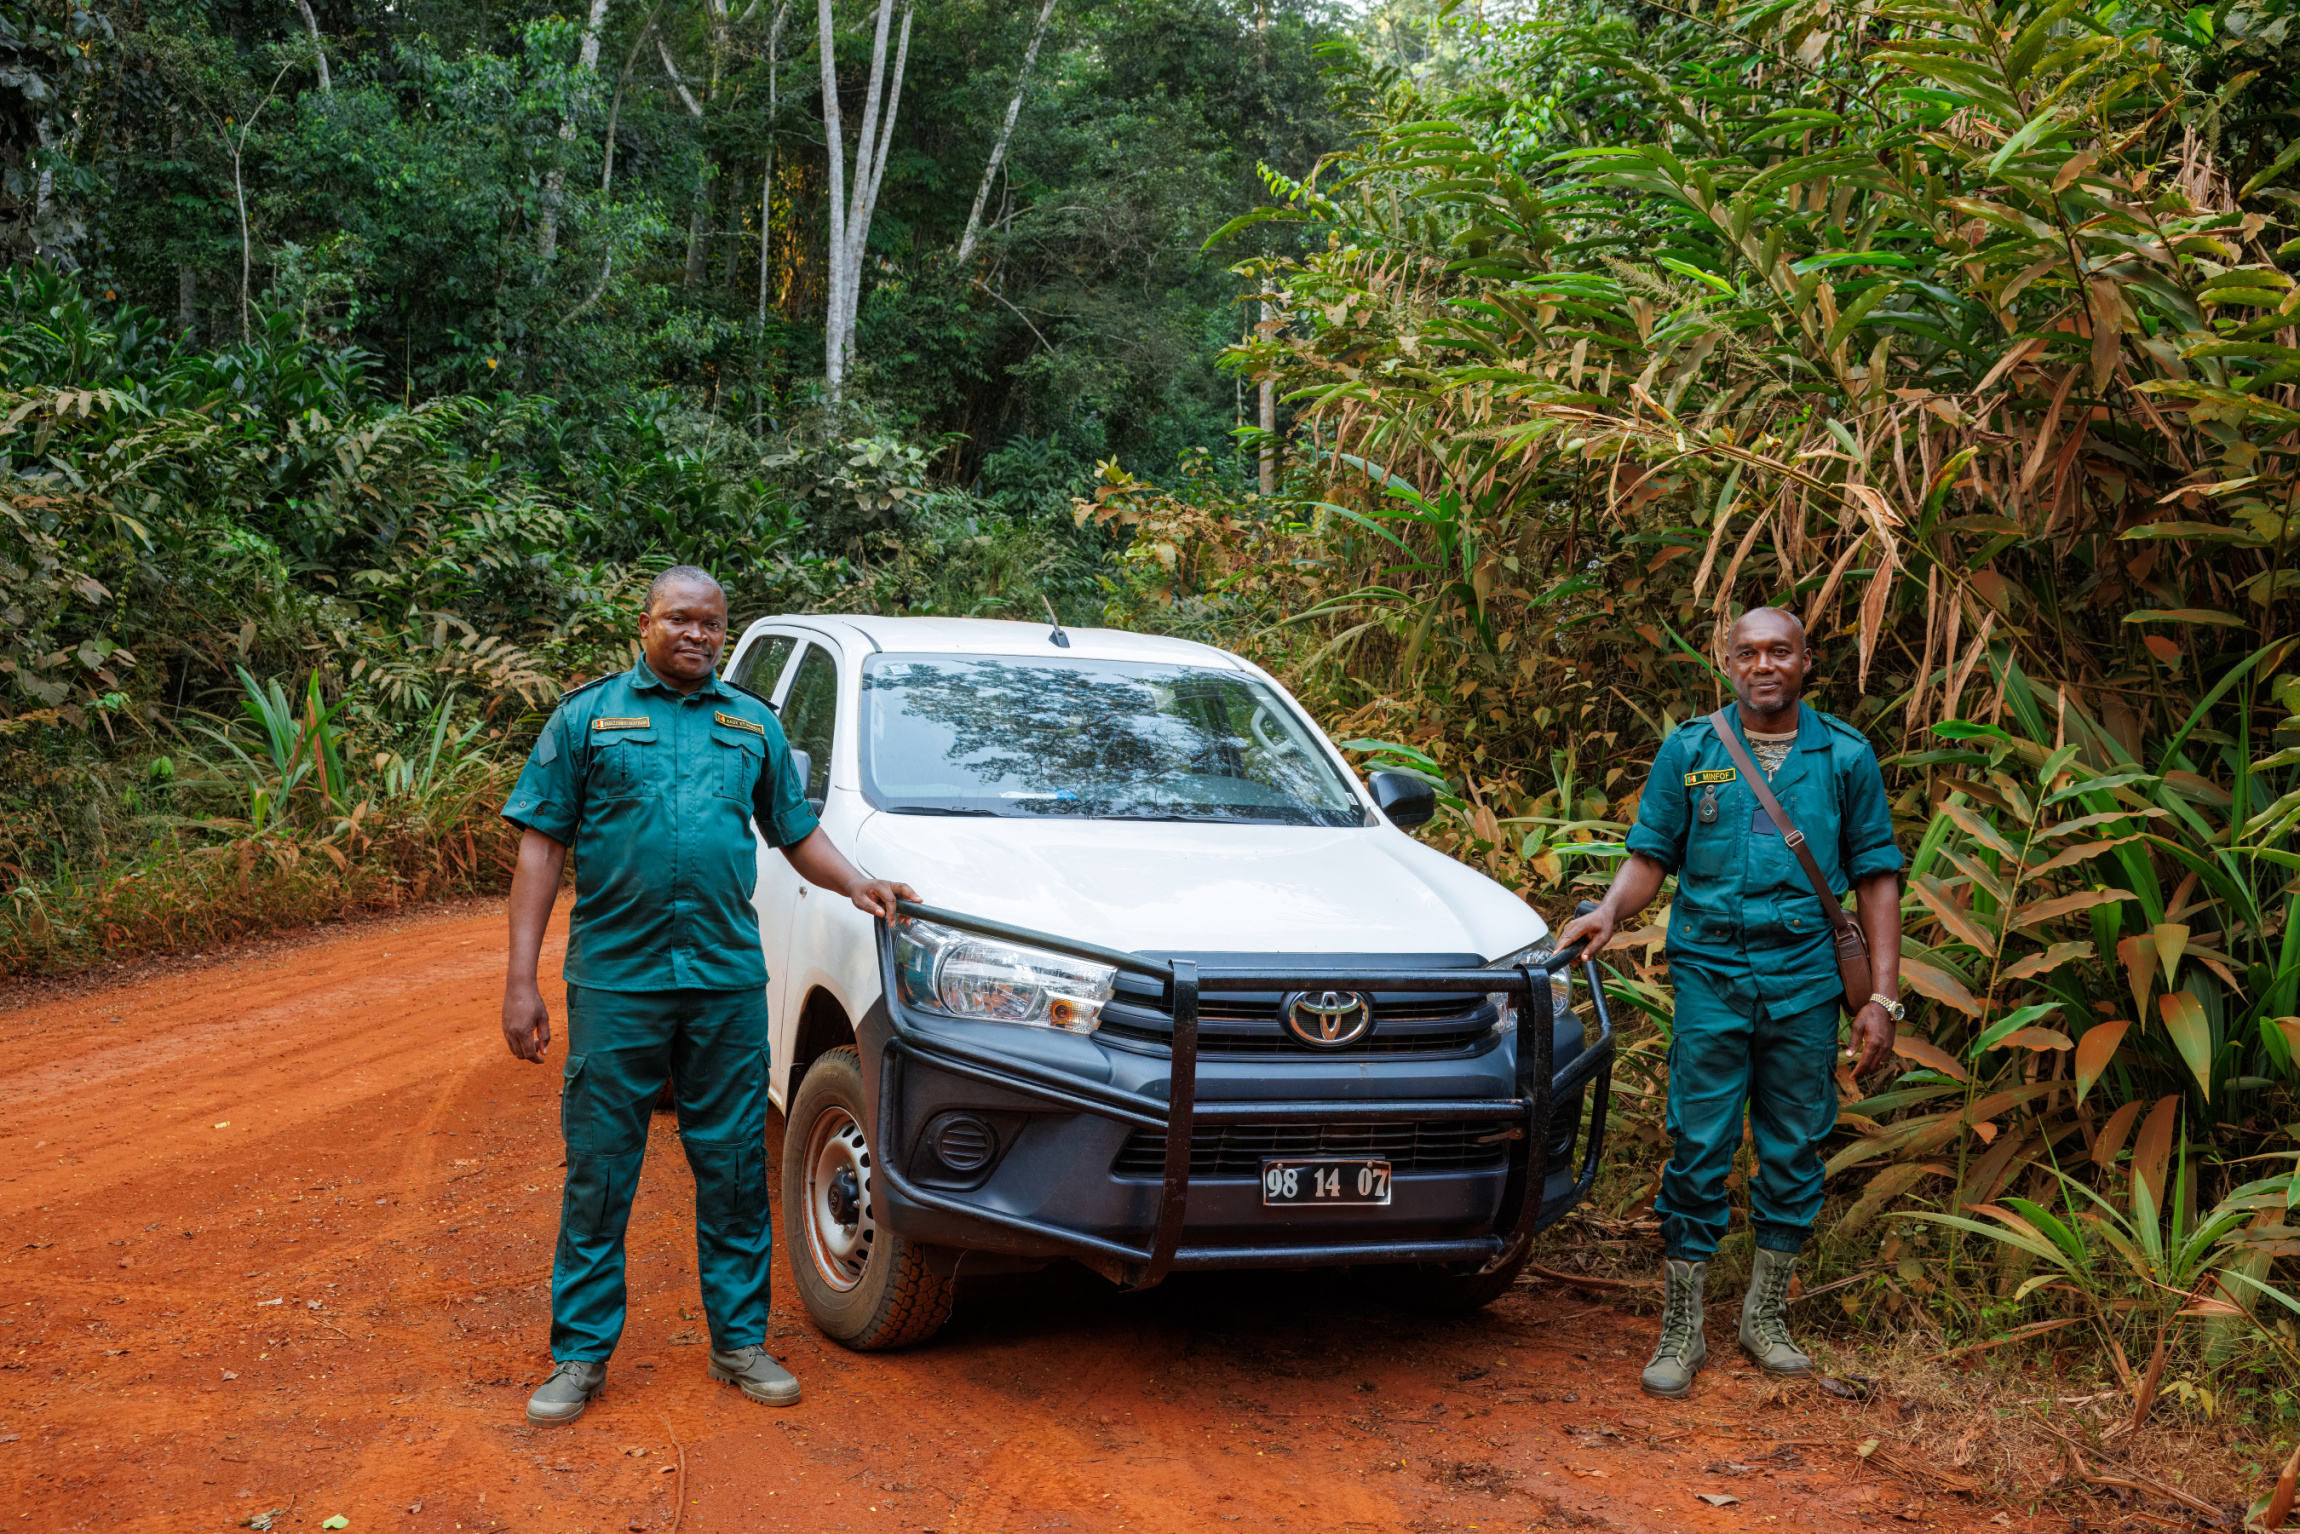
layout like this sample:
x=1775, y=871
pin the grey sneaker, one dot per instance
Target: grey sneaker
x=1683, y=1349
x=757, y=1374
x=566, y=1391
x=1765, y=1315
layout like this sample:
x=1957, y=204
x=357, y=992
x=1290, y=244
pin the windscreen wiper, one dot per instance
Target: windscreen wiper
x=935, y=809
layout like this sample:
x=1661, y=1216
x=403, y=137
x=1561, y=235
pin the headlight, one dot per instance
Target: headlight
x=1560, y=987
x=945, y=970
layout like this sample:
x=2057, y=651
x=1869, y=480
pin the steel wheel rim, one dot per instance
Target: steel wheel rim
x=841, y=1252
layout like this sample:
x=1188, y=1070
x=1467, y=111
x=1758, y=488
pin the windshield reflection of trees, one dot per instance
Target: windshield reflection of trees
x=1107, y=742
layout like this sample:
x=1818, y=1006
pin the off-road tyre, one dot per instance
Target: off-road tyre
x=1453, y=1288
x=895, y=1299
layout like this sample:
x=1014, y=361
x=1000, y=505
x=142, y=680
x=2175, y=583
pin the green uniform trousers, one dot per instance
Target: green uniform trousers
x=620, y=1045
x=1730, y=1051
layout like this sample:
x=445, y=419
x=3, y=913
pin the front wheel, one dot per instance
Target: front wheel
x=864, y=1285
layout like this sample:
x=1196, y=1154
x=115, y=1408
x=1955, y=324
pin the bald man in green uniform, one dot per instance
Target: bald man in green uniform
x=1758, y=991
x=655, y=777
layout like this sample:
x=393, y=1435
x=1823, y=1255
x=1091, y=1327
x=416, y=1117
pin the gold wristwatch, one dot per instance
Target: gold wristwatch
x=1893, y=1009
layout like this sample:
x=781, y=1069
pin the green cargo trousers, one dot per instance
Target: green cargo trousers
x=620, y=1045
x=1729, y=1051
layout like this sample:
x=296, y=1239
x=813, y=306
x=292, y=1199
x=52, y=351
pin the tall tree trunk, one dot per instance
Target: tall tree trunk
x=1269, y=420
x=698, y=217
x=702, y=203
x=188, y=301
x=555, y=183
x=1005, y=134
x=850, y=224
x=318, y=53
x=767, y=174
x=732, y=276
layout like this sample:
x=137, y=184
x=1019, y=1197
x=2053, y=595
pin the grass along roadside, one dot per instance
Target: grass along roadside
x=284, y=822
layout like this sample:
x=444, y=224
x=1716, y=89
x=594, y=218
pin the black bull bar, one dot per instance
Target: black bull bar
x=1540, y=1084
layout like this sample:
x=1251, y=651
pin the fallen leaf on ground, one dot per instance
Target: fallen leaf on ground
x=1716, y=1498
x=337, y=1522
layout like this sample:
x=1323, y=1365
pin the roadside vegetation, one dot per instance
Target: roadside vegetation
x=1966, y=331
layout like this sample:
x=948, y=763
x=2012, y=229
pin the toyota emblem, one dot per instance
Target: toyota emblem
x=1328, y=1019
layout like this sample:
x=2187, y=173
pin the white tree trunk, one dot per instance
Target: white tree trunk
x=554, y=183
x=767, y=176
x=319, y=53
x=851, y=209
x=834, y=145
x=1005, y=135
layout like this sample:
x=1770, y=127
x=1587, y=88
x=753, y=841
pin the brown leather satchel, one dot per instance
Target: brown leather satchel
x=1852, y=947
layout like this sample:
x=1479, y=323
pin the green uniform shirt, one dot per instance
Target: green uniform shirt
x=656, y=794
x=1744, y=908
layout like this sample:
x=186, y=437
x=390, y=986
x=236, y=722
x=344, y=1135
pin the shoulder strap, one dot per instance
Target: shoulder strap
x=584, y=687
x=1789, y=832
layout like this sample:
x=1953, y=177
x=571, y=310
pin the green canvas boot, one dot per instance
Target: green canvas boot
x=565, y=1392
x=1765, y=1315
x=1683, y=1349
x=754, y=1371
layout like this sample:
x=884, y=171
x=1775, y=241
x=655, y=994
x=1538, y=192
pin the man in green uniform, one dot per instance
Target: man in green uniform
x=654, y=777
x=1758, y=991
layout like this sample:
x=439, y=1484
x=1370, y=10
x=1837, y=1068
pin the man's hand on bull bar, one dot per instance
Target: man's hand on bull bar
x=877, y=897
x=1596, y=924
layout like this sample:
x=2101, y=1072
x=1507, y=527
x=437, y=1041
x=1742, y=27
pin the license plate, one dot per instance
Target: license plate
x=1325, y=1182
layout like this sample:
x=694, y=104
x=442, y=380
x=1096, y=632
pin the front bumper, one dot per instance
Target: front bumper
x=1140, y=1163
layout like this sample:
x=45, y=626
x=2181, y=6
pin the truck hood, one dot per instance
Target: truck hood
x=1163, y=886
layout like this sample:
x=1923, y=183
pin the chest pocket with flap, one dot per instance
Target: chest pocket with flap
x=739, y=755
x=625, y=760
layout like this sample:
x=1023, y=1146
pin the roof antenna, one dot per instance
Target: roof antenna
x=1060, y=639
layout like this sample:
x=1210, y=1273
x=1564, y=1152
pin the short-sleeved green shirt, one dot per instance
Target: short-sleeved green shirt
x=656, y=793
x=1744, y=908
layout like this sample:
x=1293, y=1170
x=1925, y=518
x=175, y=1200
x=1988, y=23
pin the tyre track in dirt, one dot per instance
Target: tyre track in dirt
x=337, y=1304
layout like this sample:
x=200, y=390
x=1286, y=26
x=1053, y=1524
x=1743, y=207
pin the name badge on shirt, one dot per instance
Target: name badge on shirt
x=737, y=722
x=642, y=722
x=1711, y=775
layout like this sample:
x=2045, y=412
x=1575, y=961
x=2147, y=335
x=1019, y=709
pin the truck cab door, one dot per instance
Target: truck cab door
x=808, y=707
x=762, y=665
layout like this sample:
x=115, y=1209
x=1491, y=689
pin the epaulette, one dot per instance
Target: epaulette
x=746, y=692
x=1846, y=730
x=585, y=687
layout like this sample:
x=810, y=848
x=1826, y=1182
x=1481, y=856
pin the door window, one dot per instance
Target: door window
x=810, y=716
x=762, y=664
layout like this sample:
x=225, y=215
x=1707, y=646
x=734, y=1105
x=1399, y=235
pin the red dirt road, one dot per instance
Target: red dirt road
x=275, y=1234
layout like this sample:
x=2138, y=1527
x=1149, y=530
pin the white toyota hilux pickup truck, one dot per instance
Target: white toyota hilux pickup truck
x=1182, y=993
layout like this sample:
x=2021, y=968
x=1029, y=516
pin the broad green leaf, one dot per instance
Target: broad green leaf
x=2191, y=1034
x=2011, y=1023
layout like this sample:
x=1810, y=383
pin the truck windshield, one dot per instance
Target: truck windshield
x=1090, y=739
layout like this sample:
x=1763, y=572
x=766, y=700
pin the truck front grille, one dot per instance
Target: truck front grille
x=1238, y=1150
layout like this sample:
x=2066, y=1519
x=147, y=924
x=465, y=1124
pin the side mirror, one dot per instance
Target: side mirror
x=1406, y=799
x=804, y=766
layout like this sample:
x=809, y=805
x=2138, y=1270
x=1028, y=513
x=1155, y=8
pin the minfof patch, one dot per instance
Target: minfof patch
x=1711, y=775
x=642, y=722
x=737, y=722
